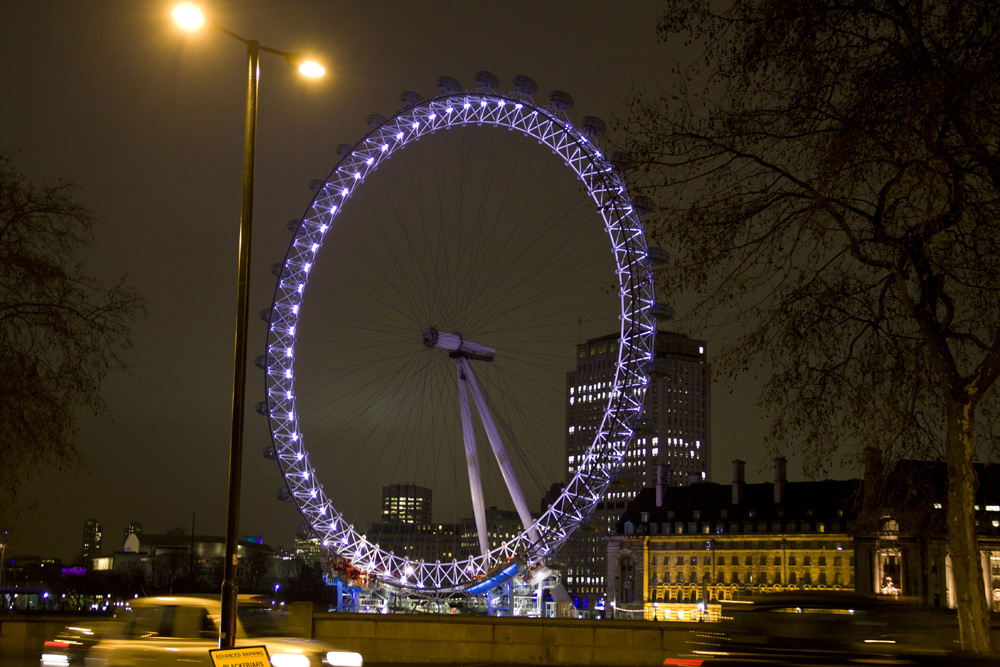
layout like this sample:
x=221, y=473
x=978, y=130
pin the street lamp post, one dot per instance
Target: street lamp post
x=190, y=17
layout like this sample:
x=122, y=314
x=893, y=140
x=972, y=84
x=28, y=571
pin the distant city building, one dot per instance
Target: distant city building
x=416, y=541
x=309, y=550
x=406, y=528
x=678, y=551
x=673, y=436
x=133, y=528
x=406, y=503
x=501, y=526
x=91, y=539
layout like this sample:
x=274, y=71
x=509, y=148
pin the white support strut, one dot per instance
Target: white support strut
x=472, y=460
x=493, y=435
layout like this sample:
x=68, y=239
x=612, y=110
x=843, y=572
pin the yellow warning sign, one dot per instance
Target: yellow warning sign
x=243, y=656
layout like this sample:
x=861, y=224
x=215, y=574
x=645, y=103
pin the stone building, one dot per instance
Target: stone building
x=677, y=552
x=901, y=537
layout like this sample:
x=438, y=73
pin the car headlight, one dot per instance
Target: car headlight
x=55, y=659
x=344, y=659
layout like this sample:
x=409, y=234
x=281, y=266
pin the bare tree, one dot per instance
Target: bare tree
x=61, y=331
x=828, y=172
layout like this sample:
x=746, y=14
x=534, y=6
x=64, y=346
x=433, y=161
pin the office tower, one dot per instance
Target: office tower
x=91, y=539
x=406, y=503
x=673, y=439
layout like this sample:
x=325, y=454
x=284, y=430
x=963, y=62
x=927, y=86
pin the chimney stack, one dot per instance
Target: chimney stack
x=738, y=482
x=780, y=481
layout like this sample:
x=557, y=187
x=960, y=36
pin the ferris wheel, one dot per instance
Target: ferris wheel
x=456, y=260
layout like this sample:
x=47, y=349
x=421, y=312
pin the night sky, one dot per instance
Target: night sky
x=148, y=122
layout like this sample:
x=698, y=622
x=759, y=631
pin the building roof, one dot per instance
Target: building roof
x=820, y=500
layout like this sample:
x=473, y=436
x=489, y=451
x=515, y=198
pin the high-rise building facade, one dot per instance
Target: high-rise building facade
x=406, y=503
x=673, y=436
x=406, y=528
x=133, y=528
x=91, y=539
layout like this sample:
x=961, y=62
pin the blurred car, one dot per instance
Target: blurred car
x=182, y=630
x=827, y=629
x=70, y=646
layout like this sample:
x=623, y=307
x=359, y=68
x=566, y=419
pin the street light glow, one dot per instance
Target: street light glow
x=188, y=16
x=311, y=69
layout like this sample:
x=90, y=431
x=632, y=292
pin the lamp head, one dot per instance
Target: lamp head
x=188, y=16
x=306, y=66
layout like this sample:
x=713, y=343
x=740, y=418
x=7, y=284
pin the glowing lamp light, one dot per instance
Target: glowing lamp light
x=188, y=17
x=311, y=69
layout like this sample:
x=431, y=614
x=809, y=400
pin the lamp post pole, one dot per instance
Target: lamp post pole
x=227, y=633
x=191, y=18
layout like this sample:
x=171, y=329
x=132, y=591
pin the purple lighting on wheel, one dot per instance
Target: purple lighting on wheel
x=550, y=127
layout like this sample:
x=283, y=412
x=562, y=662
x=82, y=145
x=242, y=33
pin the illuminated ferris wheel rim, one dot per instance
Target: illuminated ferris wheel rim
x=481, y=107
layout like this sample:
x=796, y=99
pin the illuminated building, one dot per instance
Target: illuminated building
x=407, y=529
x=406, y=503
x=91, y=539
x=309, y=550
x=674, y=435
x=133, y=528
x=501, y=526
x=678, y=551
x=902, y=534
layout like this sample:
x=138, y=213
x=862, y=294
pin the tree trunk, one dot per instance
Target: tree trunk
x=974, y=627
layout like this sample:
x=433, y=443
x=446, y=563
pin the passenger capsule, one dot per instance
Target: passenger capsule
x=260, y=361
x=277, y=269
x=374, y=120
x=594, y=126
x=643, y=205
x=293, y=225
x=487, y=80
x=343, y=150
x=409, y=97
x=525, y=84
x=261, y=408
x=448, y=85
x=304, y=532
x=662, y=311
x=270, y=453
x=265, y=315
x=284, y=495
x=560, y=99
x=620, y=160
x=657, y=256
x=316, y=184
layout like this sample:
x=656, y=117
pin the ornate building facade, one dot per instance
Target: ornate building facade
x=678, y=552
